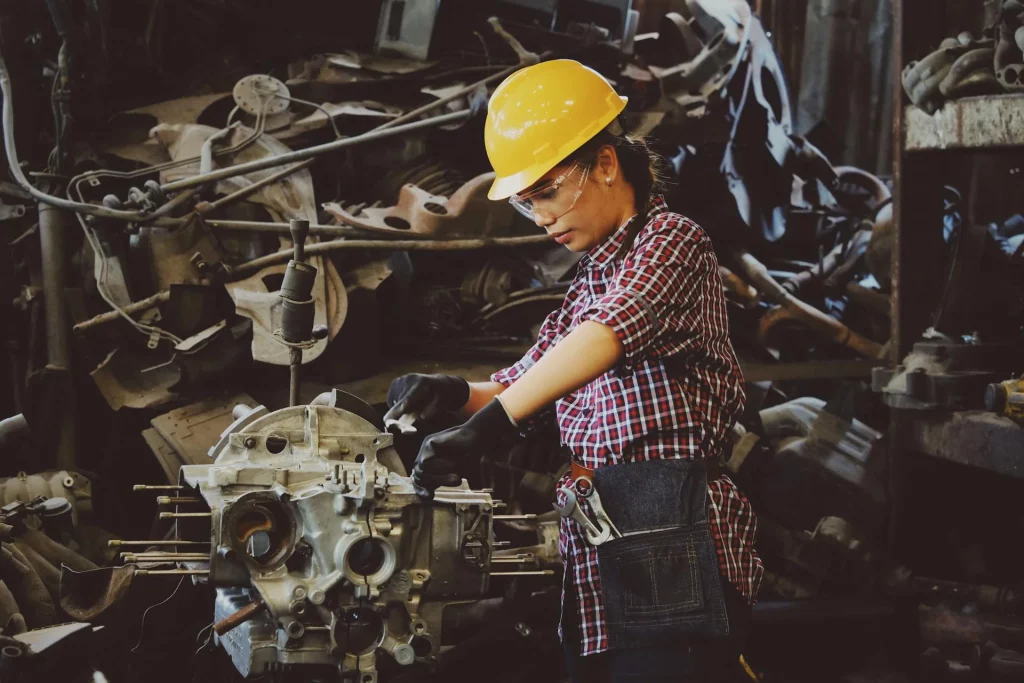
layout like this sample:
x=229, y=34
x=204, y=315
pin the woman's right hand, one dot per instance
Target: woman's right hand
x=424, y=397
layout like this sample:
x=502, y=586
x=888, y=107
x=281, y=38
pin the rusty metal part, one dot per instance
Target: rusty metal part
x=131, y=309
x=204, y=208
x=120, y=543
x=869, y=298
x=794, y=309
x=390, y=245
x=1008, y=60
x=172, y=572
x=238, y=618
x=943, y=627
x=960, y=66
x=467, y=213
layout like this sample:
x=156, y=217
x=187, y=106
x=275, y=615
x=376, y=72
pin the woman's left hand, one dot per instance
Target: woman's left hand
x=443, y=455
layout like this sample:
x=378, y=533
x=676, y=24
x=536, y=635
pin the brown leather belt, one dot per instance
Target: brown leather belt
x=577, y=470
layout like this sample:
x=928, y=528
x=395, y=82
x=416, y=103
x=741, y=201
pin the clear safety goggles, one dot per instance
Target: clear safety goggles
x=553, y=198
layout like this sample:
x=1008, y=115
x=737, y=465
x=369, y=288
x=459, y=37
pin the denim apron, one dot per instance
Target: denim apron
x=661, y=578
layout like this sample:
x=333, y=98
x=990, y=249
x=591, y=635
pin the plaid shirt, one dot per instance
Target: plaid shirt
x=663, y=300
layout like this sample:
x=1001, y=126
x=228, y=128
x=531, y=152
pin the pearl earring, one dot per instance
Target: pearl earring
x=608, y=181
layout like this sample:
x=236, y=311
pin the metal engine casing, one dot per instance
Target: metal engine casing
x=311, y=512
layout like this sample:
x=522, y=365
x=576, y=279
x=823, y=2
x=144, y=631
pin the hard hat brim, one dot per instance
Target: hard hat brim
x=504, y=187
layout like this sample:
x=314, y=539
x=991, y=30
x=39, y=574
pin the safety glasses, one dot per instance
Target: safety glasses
x=553, y=198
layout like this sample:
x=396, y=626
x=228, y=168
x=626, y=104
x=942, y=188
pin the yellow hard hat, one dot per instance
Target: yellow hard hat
x=540, y=115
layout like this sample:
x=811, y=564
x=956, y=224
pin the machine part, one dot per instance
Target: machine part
x=812, y=446
x=54, y=225
x=406, y=27
x=182, y=436
x=139, y=306
x=12, y=430
x=1008, y=60
x=73, y=487
x=942, y=627
x=960, y=66
x=944, y=374
x=261, y=95
x=315, y=151
x=974, y=438
x=467, y=213
x=754, y=272
x=1006, y=399
x=307, y=517
x=429, y=175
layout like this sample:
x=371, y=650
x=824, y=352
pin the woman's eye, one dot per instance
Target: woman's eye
x=548, y=193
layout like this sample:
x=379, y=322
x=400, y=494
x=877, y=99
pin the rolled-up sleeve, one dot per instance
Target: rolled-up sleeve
x=546, y=338
x=661, y=282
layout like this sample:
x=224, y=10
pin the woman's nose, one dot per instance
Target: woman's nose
x=543, y=220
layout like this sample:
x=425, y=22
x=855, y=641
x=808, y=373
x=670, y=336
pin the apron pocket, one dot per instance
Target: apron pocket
x=660, y=579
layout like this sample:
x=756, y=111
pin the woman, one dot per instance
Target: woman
x=660, y=569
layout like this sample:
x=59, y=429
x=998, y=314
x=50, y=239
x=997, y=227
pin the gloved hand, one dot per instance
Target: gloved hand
x=425, y=397
x=444, y=454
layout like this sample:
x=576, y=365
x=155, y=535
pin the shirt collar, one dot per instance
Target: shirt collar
x=604, y=252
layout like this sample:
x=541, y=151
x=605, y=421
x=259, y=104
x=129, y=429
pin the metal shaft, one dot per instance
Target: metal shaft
x=165, y=557
x=238, y=618
x=316, y=150
x=148, y=487
x=53, y=229
x=541, y=572
x=178, y=515
x=118, y=543
x=176, y=500
x=295, y=367
x=171, y=572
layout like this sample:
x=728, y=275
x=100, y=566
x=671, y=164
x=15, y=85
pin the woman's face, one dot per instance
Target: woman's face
x=586, y=206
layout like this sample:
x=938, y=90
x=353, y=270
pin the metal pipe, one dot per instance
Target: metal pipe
x=310, y=152
x=171, y=500
x=130, y=309
x=294, y=366
x=283, y=256
x=171, y=572
x=539, y=572
x=119, y=543
x=243, y=615
x=180, y=515
x=53, y=224
x=153, y=487
x=757, y=274
x=14, y=164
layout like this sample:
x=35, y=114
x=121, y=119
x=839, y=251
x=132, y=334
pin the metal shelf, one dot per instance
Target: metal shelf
x=974, y=438
x=989, y=122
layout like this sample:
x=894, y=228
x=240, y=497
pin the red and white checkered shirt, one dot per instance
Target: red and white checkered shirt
x=663, y=300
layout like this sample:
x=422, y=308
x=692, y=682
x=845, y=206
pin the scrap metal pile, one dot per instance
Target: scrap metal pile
x=161, y=232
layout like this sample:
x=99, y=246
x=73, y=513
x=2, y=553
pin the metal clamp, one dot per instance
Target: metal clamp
x=598, y=528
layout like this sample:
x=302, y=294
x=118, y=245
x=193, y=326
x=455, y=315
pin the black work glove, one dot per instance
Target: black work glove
x=444, y=454
x=425, y=397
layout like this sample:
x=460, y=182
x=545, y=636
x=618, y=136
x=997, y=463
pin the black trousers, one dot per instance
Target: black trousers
x=696, y=659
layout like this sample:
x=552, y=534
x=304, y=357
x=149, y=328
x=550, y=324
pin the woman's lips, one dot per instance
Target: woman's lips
x=563, y=237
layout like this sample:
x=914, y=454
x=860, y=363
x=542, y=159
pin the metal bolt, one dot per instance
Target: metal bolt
x=317, y=596
x=523, y=630
x=68, y=482
x=299, y=592
x=404, y=654
x=250, y=442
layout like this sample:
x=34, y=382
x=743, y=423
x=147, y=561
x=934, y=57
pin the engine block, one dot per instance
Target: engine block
x=314, y=520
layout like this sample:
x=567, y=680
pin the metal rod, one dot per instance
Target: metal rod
x=294, y=368
x=238, y=618
x=510, y=518
x=169, y=557
x=118, y=543
x=53, y=230
x=495, y=544
x=171, y=572
x=132, y=308
x=513, y=560
x=179, y=515
x=310, y=152
x=540, y=572
x=257, y=264
x=149, y=487
x=315, y=229
x=173, y=500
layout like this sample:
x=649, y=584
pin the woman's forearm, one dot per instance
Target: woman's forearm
x=480, y=394
x=584, y=354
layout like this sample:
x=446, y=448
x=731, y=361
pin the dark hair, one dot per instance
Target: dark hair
x=642, y=167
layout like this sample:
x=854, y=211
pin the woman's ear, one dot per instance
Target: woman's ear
x=606, y=167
